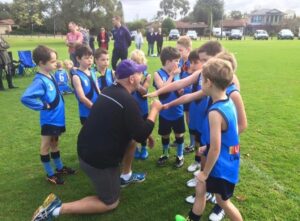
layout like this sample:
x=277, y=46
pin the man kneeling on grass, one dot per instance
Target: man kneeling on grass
x=108, y=137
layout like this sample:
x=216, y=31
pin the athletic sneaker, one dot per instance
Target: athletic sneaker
x=194, y=166
x=162, y=160
x=192, y=182
x=137, y=153
x=179, y=162
x=44, y=212
x=55, y=179
x=180, y=218
x=217, y=213
x=211, y=198
x=135, y=178
x=144, y=154
x=190, y=199
x=189, y=149
x=66, y=170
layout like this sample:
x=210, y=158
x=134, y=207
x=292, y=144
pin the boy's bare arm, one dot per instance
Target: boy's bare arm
x=143, y=88
x=240, y=109
x=184, y=99
x=215, y=124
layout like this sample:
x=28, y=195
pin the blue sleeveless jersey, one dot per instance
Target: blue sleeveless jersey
x=184, y=66
x=89, y=88
x=231, y=88
x=175, y=112
x=61, y=77
x=198, y=108
x=227, y=165
x=142, y=101
x=47, y=92
x=105, y=80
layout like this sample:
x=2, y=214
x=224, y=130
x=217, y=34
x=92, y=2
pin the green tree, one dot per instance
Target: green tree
x=5, y=11
x=167, y=25
x=236, y=14
x=171, y=8
x=204, y=10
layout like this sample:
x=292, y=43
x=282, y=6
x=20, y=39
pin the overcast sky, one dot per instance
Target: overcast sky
x=134, y=9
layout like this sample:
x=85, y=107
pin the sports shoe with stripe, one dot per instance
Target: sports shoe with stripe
x=217, y=213
x=45, y=211
x=66, y=171
x=55, y=179
x=135, y=178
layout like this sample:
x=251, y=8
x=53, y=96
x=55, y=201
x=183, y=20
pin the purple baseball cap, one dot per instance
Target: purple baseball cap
x=128, y=67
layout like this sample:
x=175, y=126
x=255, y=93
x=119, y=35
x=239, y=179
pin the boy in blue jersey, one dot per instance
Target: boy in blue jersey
x=171, y=119
x=221, y=170
x=43, y=95
x=184, y=46
x=105, y=76
x=139, y=57
x=62, y=79
x=85, y=82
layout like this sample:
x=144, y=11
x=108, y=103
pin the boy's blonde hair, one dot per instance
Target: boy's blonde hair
x=67, y=61
x=59, y=64
x=227, y=56
x=185, y=41
x=138, y=56
x=219, y=72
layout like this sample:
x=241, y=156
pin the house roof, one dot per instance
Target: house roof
x=181, y=24
x=235, y=23
x=7, y=22
x=266, y=11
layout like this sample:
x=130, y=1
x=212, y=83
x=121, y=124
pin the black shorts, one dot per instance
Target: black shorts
x=186, y=107
x=83, y=120
x=220, y=186
x=106, y=181
x=52, y=130
x=166, y=126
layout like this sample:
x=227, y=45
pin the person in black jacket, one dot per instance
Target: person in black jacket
x=108, y=138
x=159, y=41
x=5, y=65
x=151, y=40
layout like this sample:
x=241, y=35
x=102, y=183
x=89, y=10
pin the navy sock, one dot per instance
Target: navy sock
x=47, y=165
x=57, y=161
x=193, y=216
x=198, y=159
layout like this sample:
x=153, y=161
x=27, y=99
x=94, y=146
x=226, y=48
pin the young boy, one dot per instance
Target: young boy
x=221, y=170
x=171, y=119
x=139, y=57
x=184, y=46
x=43, y=95
x=62, y=79
x=85, y=82
x=105, y=76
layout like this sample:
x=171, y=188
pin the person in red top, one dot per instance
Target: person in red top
x=73, y=38
x=103, y=39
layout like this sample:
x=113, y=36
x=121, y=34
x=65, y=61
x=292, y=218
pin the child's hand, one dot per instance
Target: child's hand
x=157, y=105
x=180, y=91
x=153, y=94
x=201, y=177
x=151, y=142
x=165, y=106
x=202, y=149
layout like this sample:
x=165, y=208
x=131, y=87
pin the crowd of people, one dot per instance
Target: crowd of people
x=195, y=87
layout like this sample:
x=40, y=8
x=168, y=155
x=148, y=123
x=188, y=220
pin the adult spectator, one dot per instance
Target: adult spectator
x=151, y=40
x=122, y=39
x=74, y=37
x=159, y=38
x=104, y=142
x=103, y=39
x=138, y=39
x=5, y=65
x=85, y=35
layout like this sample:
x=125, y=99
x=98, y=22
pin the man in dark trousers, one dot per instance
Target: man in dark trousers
x=159, y=41
x=151, y=40
x=108, y=138
x=122, y=39
x=5, y=65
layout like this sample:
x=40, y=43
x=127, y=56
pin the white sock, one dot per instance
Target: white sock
x=126, y=176
x=56, y=211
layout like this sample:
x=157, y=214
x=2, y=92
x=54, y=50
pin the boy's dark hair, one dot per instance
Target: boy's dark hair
x=194, y=56
x=219, y=72
x=42, y=54
x=83, y=50
x=99, y=52
x=169, y=54
x=211, y=48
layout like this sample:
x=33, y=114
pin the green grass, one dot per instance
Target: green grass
x=269, y=180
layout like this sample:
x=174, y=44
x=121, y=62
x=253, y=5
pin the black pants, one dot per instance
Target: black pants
x=7, y=72
x=118, y=54
x=159, y=46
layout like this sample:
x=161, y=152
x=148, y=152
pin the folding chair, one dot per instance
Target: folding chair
x=26, y=65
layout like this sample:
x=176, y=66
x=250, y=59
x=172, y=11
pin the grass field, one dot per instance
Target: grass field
x=269, y=72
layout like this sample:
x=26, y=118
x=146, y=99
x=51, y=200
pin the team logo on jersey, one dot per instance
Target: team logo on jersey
x=51, y=88
x=86, y=82
x=234, y=149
